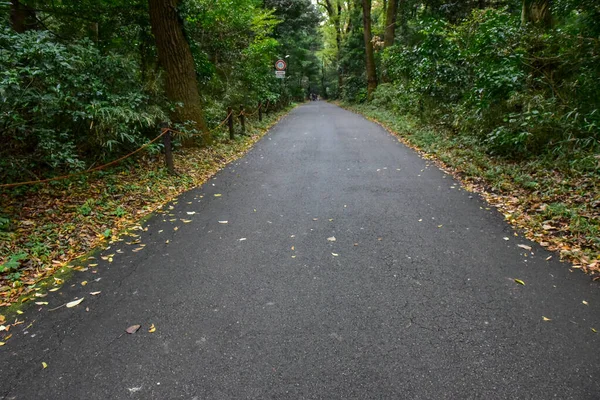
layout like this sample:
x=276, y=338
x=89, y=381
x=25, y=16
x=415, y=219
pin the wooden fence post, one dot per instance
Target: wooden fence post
x=168, y=149
x=260, y=111
x=230, y=122
x=243, y=120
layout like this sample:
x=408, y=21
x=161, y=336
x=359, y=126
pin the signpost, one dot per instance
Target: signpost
x=280, y=66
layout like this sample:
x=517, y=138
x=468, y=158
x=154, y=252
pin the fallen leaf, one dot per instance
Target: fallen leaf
x=93, y=265
x=546, y=319
x=331, y=239
x=549, y=257
x=74, y=303
x=2, y=343
x=133, y=329
x=315, y=219
x=241, y=239
x=191, y=212
x=152, y=329
x=594, y=330
x=44, y=365
x=175, y=228
x=19, y=312
x=95, y=293
x=524, y=246
x=186, y=221
x=585, y=302
x=506, y=238
x=218, y=195
x=84, y=283
x=2, y=318
x=223, y=222
x=41, y=303
x=520, y=282
x=334, y=254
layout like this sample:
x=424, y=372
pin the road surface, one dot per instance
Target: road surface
x=414, y=299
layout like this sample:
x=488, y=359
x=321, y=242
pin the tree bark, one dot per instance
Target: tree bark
x=22, y=18
x=370, y=55
x=390, y=23
x=175, y=57
x=536, y=12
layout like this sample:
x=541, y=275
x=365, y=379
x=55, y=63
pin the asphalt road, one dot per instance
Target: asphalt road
x=415, y=298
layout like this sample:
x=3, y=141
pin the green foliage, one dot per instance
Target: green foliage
x=521, y=92
x=64, y=105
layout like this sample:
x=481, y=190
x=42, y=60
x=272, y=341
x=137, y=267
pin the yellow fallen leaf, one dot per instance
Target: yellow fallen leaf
x=334, y=254
x=594, y=330
x=95, y=293
x=19, y=312
x=585, y=302
x=74, y=303
x=175, y=228
x=546, y=319
x=44, y=365
x=152, y=329
x=84, y=283
x=2, y=343
x=548, y=258
x=2, y=318
x=54, y=289
x=520, y=282
x=41, y=303
x=223, y=222
x=293, y=248
x=217, y=194
x=439, y=226
x=186, y=221
x=93, y=265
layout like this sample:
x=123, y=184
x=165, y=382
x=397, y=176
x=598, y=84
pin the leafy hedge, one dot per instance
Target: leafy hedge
x=64, y=104
x=520, y=91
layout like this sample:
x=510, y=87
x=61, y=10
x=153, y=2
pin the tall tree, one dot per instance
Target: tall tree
x=22, y=17
x=174, y=55
x=334, y=12
x=537, y=12
x=370, y=55
x=390, y=23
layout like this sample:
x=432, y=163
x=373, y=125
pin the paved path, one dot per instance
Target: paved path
x=414, y=299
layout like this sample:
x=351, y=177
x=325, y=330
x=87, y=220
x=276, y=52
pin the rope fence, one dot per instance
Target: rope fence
x=166, y=135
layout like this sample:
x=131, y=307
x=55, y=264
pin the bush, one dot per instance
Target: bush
x=63, y=106
x=520, y=91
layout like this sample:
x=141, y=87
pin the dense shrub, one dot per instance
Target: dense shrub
x=65, y=105
x=520, y=91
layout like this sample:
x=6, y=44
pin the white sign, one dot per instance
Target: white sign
x=280, y=74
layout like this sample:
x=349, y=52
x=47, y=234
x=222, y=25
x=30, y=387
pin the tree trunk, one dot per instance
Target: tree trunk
x=390, y=23
x=175, y=57
x=370, y=56
x=22, y=18
x=537, y=12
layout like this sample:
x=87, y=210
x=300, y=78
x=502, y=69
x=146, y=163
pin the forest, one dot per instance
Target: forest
x=503, y=91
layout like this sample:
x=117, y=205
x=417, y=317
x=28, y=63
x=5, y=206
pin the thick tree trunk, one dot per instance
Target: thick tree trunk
x=537, y=12
x=370, y=56
x=22, y=18
x=175, y=57
x=390, y=23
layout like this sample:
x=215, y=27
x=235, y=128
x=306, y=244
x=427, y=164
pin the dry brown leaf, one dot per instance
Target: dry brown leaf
x=524, y=246
x=133, y=329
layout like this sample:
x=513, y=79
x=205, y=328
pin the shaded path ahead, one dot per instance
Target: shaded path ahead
x=414, y=299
